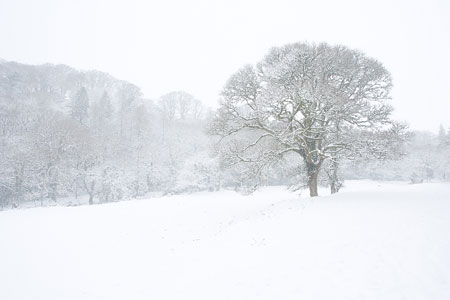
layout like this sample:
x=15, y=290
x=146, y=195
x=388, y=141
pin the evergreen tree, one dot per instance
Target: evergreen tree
x=80, y=106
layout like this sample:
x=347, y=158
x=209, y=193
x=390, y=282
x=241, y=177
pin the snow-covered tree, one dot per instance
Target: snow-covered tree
x=312, y=100
x=199, y=172
x=180, y=105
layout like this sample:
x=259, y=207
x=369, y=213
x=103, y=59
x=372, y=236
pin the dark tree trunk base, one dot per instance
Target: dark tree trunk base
x=313, y=173
x=313, y=185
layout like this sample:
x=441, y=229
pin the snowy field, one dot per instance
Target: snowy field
x=371, y=241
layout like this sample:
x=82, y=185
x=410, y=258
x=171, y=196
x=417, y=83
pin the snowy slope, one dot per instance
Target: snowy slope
x=371, y=241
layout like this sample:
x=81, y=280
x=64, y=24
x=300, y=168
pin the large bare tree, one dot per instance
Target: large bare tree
x=312, y=100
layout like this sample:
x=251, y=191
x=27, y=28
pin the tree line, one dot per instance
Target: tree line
x=66, y=133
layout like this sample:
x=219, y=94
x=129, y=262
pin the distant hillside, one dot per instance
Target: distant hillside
x=53, y=86
x=65, y=132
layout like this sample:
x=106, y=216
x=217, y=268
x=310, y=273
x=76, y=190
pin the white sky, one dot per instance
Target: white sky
x=196, y=45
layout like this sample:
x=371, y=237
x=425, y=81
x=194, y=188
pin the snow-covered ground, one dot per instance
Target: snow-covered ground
x=371, y=241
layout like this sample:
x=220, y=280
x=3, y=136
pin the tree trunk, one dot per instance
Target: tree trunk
x=90, y=191
x=335, y=183
x=312, y=182
x=334, y=188
x=53, y=187
x=313, y=172
x=18, y=184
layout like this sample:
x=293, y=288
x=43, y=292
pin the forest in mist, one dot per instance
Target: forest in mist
x=91, y=138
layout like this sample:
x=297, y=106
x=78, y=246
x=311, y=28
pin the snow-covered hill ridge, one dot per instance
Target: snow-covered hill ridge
x=370, y=241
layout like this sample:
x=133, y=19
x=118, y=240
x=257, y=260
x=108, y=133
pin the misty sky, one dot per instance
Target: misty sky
x=196, y=45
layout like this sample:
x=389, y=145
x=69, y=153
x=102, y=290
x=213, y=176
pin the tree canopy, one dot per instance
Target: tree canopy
x=317, y=101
